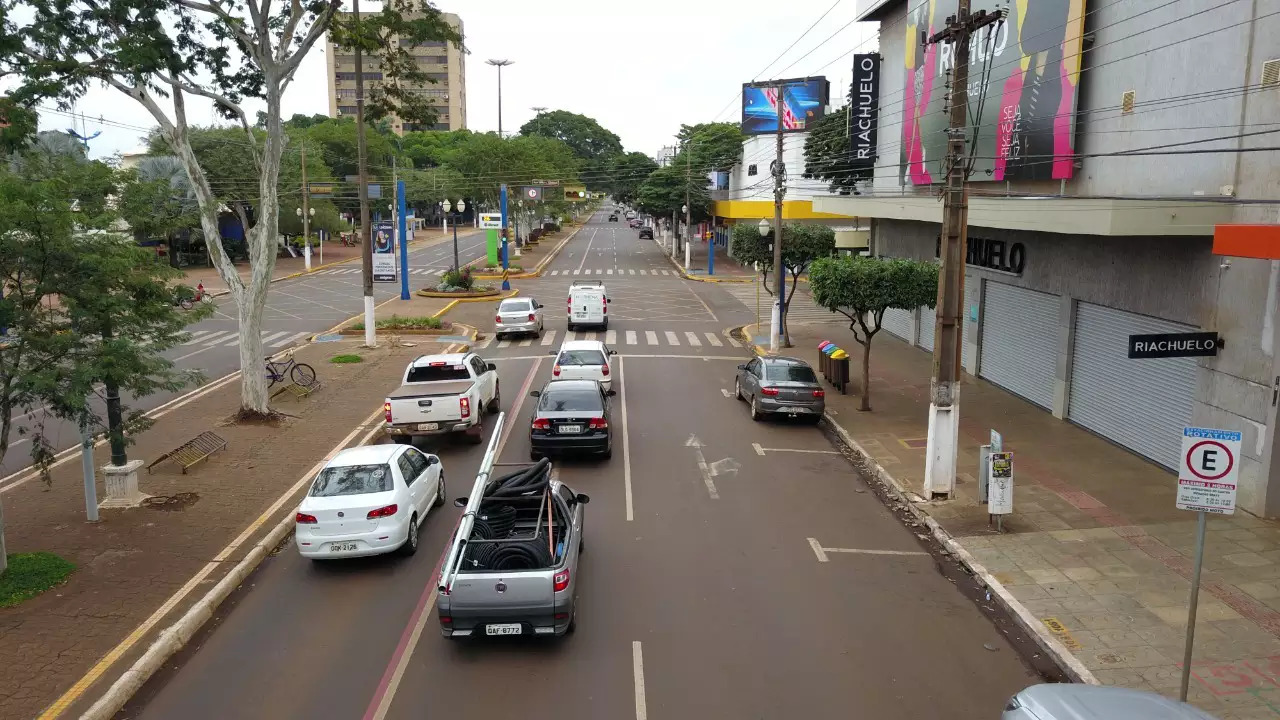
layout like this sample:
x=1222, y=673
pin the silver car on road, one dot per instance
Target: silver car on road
x=518, y=316
x=780, y=386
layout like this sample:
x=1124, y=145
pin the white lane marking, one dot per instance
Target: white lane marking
x=571, y=335
x=526, y=343
x=651, y=356
x=703, y=468
x=651, y=337
x=610, y=337
x=219, y=337
x=504, y=344
x=555, y=272
x=733, y=342
x=632, y=272
x=763, y=450
x=693, y=339
x=754, y=446
x=482, y=344
x=593, y=335
x=584, y=255
x=715, y=341
x=727, y=394
x=269, y=338
x=609, y=271
x=197, y=336
x=631, y=337
x=817, y=549
x=292, y=338
x=637, y=669
x=671, y=338
x=626, y=444
x=549, y=337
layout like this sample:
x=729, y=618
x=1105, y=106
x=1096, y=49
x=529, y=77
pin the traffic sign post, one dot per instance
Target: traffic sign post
x=1207, y=479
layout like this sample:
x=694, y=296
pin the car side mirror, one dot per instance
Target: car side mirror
x=460, y=502
x=613, y=352
x=611, y=393
x=491, y=366
x=554, y=352
x=432, y=460
x=743, y=366
x=535, y=393
x=584, y=499
x=608, y=300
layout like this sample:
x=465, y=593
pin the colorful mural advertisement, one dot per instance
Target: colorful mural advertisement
x=1024, y=74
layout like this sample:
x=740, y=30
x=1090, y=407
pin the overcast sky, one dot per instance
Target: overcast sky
x=639, y=68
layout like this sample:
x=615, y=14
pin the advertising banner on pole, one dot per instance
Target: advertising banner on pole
x=1000, y=484
x=384, y=257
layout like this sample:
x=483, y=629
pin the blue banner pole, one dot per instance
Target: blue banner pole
x=404, y=241
x=502, y=196
x=711, y=253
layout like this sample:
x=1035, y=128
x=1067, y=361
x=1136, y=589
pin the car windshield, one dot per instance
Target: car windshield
x=576, y=399
x=435, y=373
x=514, y=306
x=580, y=357
x=789, y=373
x=352, y=480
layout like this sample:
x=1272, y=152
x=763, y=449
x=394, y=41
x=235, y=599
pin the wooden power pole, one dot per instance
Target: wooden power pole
x=944, y=411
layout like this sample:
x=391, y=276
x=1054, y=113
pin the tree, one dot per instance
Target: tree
x=164, y=52
x=663, y=193
x=862, y=289
x=82, y=305
x=424, y=189
x=428, y=148
x=827, y=156
x=584, y=136
x=711, y=146
x=623, y=175
x=157, y=201
x=801, y=246
x=486, y=161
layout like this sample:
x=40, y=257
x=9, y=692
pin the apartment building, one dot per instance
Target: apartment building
x=441, y=61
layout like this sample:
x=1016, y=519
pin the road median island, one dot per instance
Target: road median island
x=536, y=271
x=141, y=570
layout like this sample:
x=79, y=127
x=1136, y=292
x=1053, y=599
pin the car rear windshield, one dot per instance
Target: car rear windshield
x=438, y=372
x=352, y=480
x=790, y=373
x=580, y=357
x=570, y=400
x=511, y=306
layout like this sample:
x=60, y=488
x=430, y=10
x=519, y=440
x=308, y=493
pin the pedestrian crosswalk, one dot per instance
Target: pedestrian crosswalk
x=231, y=338
x=357, y=270
x=611, y=271
x=643, y=338
x=802, y=309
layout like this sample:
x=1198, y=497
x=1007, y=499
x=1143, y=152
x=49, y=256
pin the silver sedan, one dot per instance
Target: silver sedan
x=518, y=316
x=780, y=386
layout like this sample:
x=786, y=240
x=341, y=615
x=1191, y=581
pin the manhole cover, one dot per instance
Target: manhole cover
x=180, y=501
x=328, y=338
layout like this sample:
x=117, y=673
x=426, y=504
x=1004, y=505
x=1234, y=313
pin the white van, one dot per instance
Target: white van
x=588, y=304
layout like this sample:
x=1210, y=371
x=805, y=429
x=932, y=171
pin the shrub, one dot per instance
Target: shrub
x=457, y=279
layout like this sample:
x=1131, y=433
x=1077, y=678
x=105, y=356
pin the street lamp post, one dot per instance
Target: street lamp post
x=685, y=209
x=306, y=216
x=447, y=207
x=499, y=64
x=764, y=229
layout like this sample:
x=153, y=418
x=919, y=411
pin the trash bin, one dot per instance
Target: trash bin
x=833, y=363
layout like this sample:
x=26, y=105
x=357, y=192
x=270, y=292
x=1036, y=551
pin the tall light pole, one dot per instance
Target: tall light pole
x=499, y=64
x=537, y=112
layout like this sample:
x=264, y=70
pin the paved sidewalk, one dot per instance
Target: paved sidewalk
x=1095, y=548
x=726, y=268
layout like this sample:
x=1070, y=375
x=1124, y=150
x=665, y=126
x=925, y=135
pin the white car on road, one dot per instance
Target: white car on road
x=369, y=500
x=584, y=360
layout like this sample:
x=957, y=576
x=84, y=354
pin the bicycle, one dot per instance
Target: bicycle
x=302, y=374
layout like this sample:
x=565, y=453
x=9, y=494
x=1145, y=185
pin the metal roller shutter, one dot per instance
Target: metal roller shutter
x=898, y=322
x=1020, y=341
x=1140, y=404
x=924, y=335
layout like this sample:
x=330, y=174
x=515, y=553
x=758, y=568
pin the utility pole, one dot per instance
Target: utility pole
x=306, y=209
x=779, y=189
x=366, y=234
x=944, y=410
x=688, y=162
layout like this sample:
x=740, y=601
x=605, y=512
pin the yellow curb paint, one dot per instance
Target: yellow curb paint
x=1064, y=636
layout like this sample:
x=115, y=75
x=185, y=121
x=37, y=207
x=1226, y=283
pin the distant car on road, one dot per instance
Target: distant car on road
x=613, y=218
x=646, y=233
x=780, y=386
x=518, y=315
x=588, y=304
x=369, y=500
x=634, y=222
x=1068, y=701
x=571, y=416
x=584, y=360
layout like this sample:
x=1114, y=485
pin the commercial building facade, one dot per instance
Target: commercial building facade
x=1075, y=247
x=440, y=60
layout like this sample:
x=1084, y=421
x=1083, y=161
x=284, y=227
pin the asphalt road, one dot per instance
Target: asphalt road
x=296, y=308
x=699, y=596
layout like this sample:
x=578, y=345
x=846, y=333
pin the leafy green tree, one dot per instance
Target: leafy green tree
x=827, y=156
x=623, y=176
x=162, y=53
x=88, y=313
x=425, y=189
x=157, y=201
x=428, y=148
x=710, y=146
x=802, y=245
x=486, y=161
x=862, y=289
x=585, y=137
x=664, y=191
x=333, y=142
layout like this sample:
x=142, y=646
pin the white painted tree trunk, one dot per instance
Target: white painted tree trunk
x=370, y=323
x=4, y=555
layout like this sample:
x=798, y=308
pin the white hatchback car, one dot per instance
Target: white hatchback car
x=585, y=360
x=369, y=500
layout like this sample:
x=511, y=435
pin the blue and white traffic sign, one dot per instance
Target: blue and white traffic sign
x=1209, y=471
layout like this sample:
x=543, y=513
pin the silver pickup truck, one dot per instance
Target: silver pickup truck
x=513, y=565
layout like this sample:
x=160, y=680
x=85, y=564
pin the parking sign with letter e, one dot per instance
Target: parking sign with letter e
x=1209, y=470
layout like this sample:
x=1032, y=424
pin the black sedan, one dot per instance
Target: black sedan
x=613, y=218
x=646, y=233
x=572, y=416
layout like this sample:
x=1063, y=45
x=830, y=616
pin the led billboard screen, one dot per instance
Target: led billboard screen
x=803, y=102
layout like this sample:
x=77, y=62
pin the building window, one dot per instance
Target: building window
x=431, y=59
x=751, y=169
x=439, y=77
x=347, y=93
x=428, y=44
x=346, y=109
x=352, y=76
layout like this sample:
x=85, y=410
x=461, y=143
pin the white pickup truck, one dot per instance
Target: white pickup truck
x=442, y=394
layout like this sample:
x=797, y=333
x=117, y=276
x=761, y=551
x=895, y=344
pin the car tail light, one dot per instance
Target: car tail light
x=305, y=519
x=604, y=370
x=531, y=317
x=464, y=405
x=561, y=580
x=598, y=424
x=769, y=391
x=542, y=424
x=386, y=410
x=446, y=620
x=605, y=308
x=555, y=371
x=497, y=318
x=387, y=511
x=819, y=393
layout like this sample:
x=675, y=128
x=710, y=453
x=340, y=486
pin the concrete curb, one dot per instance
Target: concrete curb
x=176, y=636
x=1029, y=623
x=700, y=278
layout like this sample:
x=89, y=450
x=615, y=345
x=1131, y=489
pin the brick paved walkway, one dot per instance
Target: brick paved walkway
x=1095, y=547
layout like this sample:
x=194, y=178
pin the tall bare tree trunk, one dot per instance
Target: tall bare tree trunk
x=866, y=376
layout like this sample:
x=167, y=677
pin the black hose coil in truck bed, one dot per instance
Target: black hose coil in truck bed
x=498, y=522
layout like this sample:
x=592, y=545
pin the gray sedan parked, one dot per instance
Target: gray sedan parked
x=780, y=386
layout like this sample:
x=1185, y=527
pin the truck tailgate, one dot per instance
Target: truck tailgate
x=480, y=599
x=428, y=404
